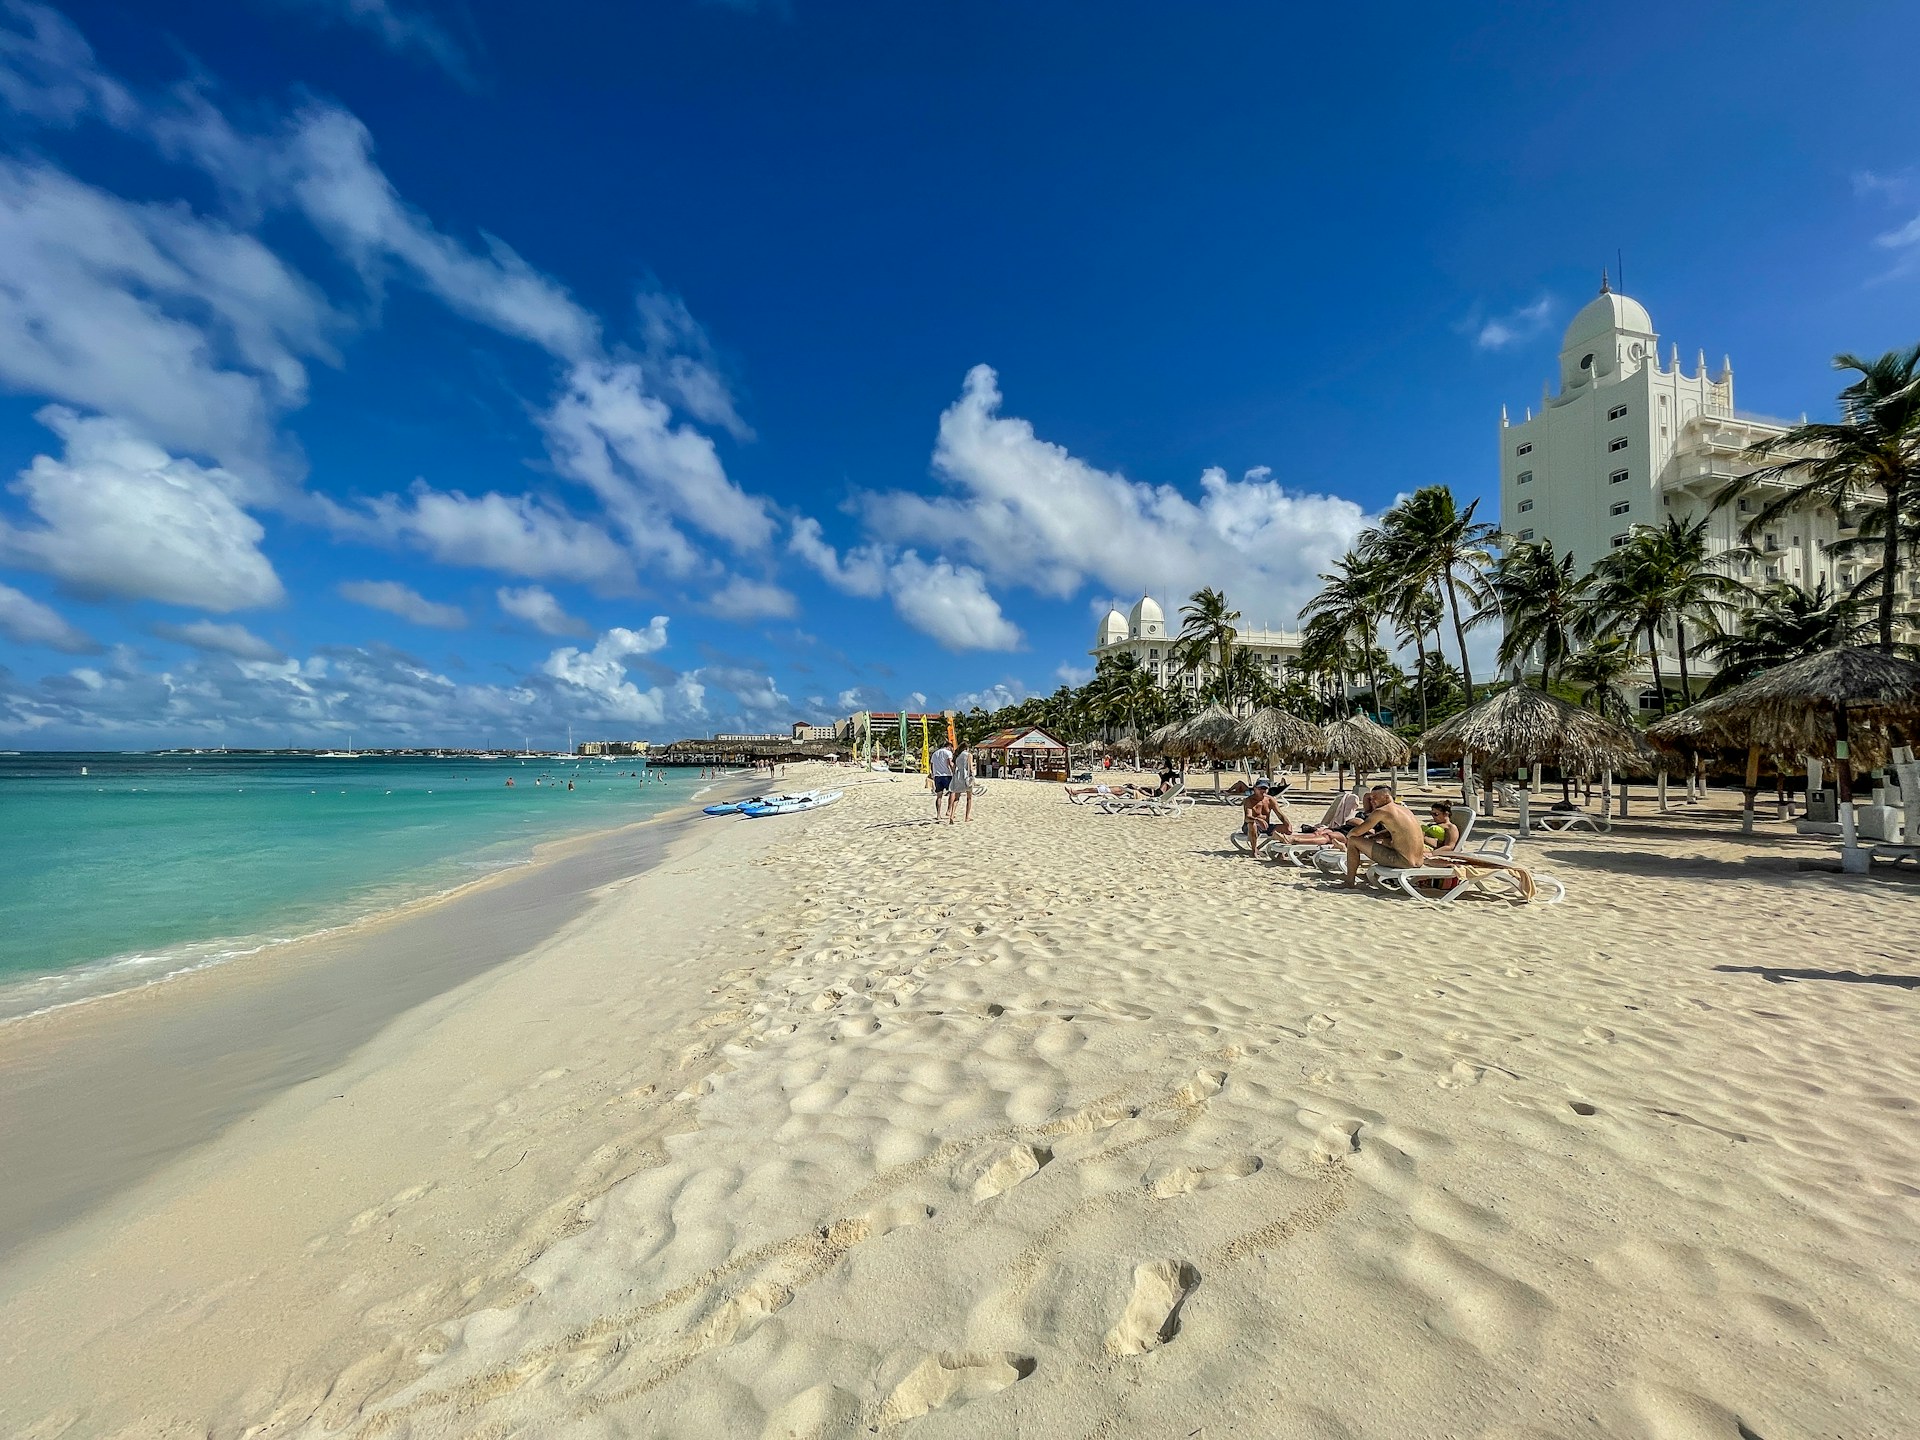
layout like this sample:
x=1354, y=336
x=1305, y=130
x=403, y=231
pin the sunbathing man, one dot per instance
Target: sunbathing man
x=1389, y=835
x=1265, y=815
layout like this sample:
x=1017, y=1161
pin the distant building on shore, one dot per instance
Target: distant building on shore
x=611, y=747
x=1142, y=633
x=807, y=730
x=1624, y=442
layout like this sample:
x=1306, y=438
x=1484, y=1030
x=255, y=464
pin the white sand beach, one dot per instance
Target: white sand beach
x=1060, y=1124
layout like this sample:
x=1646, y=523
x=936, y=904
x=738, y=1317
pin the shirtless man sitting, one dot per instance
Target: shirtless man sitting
x=1388, y=834
x=1266, y=814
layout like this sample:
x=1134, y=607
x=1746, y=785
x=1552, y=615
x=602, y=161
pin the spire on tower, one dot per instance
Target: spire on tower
x=1700, y=365
x=1503, y=417
x=1605, y=288
x=1676, y=357
x=1726, y=368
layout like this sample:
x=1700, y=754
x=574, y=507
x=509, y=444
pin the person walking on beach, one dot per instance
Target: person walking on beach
x=961, y=786
x=942, y=777
x=1389, y=835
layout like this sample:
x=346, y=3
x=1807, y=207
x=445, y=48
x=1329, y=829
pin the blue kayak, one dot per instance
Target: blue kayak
x=736, y=807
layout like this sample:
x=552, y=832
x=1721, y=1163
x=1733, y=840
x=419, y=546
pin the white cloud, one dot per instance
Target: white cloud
x=120, y=516
x=1515, y=327
x=608, y=433
x=535, y=605
x=597, y=680
x=399, y=30
x=1029, y=513
x=47, y=69
x=994, y=697
x=397, y=599
x=744, y=599
x=218, y=639
x=753, y=694
x=25, y=620
x=193, y=333
x=1068, y=673
x=950, y=603
x=513, y=534
x=938, y=598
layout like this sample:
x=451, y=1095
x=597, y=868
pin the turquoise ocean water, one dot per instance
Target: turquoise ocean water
x=119, y=869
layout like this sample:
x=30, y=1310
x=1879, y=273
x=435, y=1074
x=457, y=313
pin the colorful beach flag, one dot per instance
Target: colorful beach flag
x=905, y=741
x=926, y=751
x=951, y=738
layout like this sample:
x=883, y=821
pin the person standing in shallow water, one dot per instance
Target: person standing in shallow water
x=961, y=785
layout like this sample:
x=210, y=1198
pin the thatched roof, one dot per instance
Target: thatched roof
x=1274, y=732
x=1363, y=744
x=1793, y=708
x=1523, y=726
x=1216, y=733
x=1166, y=740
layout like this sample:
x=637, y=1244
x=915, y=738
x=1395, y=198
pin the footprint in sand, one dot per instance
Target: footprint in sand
x=949, y=1379
x=1185, y=1179
x=1009, y=1168
x=1338, y=1140
x=1152, y=1317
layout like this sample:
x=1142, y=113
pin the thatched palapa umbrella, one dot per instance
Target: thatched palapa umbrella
x=1841, y=705
x=1167, y=740
x=1363, y=744
x=1216, y=733
x=1272, y=732
x=1522, y=727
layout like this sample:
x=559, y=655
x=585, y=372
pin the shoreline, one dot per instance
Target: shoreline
x=169, y=1064
x=247, y=948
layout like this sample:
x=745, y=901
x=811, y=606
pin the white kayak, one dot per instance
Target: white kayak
x=790, y=804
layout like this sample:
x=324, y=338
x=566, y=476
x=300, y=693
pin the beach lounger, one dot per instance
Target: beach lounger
x=1489, y=870
x=1167, y=804
x=1335, y=856
x=1558, y=822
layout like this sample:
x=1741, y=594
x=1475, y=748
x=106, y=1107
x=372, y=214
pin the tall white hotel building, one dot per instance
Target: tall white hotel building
x=1623, y=442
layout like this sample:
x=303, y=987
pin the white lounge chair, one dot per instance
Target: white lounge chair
x=1505, y=881
x=1558, y=822
x=1337, y=861
x=1173, y=800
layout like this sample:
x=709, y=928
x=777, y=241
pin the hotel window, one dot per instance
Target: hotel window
x=1525, y=477
x=1773, y=572
x=1622, y=508
x=1620, y=540
x=1526, y=534
x=1617, y=477
x=1773, y=541
x=1616, y=412
x=1525, y=505
x=1619, y=442
x=1526, y=449
x=1746, y=507
x=1153, y=654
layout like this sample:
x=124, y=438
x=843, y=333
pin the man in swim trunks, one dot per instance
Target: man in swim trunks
x=1389, y=835
x=942, y=776
x=1265, y=816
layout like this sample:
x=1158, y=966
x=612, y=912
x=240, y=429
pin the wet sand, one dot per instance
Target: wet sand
x=97, y=1095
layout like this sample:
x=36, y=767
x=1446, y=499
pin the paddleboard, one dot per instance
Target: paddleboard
x=790, y=804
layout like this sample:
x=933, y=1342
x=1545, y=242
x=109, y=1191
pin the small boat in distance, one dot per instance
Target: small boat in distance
x=346, y=754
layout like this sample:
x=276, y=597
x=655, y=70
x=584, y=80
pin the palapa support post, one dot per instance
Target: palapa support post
x=1751, y=790
x=1663, y=790
x=1853, y=860
x=1466, y=780
x=1525, y=792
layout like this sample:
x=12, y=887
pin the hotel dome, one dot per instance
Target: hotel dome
x=1112, y=630
x=1146, y=620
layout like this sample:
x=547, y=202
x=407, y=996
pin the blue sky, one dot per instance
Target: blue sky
x=459, y=370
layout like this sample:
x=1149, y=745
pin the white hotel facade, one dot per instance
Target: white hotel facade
x=1142, y=633
x=1624, y=442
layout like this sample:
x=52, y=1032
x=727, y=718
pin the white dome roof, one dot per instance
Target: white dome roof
x=1146, y=611
x=1603, y=315
x=1113, y=628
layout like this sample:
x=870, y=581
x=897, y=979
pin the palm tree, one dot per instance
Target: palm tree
x=1675, y=560
x=1597, y=672
x=1353, y=598
x=1417, y=611
x=1432, y=539
x=1875, y=446
x=1630, y=592
x=1788, y=622
x=1540, y=601
x=1206, y=629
